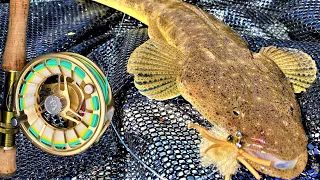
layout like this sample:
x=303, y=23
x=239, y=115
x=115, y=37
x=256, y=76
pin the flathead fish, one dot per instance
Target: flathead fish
x=248, y=97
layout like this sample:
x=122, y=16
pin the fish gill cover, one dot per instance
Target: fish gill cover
x=156, y=132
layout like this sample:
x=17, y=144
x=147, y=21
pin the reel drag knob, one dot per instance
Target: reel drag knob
x=66, y=100
x=54, y=104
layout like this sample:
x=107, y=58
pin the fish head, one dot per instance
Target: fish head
x=256, y=101
x=270, y=122
x=273, y=131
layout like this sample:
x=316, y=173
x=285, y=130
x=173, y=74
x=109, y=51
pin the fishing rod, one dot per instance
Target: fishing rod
x=13, y=61
x=62, y=101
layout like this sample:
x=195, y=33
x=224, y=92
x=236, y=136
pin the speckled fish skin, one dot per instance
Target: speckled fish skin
x=220, y=75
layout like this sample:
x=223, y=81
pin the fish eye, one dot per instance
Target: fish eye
x=230, y=138
x=236, y=113
x=291, y=109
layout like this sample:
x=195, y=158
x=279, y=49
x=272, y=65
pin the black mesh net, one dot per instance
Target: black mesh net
x=156, y=132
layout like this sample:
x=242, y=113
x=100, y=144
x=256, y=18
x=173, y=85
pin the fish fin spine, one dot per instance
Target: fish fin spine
x=156, y=66
x=298, y=66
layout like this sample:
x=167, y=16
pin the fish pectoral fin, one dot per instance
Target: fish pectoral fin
x=155, y=66
x=298, y=67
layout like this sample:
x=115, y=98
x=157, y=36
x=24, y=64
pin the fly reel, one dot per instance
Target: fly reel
x=66, y=103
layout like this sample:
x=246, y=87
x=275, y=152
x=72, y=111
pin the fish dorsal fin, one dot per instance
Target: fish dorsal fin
x=299, y=67
x=155, y=66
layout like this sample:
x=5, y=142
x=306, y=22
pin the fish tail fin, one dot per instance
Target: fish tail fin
x=156, y=66
x=298, y=67
x=133, y=8
x=139, y=9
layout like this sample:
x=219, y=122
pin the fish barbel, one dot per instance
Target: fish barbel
x=248, y=97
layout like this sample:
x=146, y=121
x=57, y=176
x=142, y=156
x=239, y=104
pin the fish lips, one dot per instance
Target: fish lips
x=281, y=169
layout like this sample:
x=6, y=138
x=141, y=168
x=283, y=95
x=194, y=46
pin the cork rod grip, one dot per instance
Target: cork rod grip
x=14, y=57
x=8, y=164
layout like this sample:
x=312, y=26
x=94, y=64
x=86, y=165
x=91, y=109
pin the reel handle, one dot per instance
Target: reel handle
x=14, y=57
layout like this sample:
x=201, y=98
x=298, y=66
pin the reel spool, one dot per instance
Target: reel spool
x=66, y=102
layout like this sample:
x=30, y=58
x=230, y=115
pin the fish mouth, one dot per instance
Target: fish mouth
x=275, y=162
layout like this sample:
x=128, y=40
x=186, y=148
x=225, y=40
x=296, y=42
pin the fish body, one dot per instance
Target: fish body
x=191, y=53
